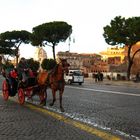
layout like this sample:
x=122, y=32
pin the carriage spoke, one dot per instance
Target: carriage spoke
x=5, y=90
x=21, y=96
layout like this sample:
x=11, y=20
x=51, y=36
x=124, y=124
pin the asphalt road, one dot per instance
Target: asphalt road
x=112, y=108
x=21, y=123
x=115, y=109
x=108, y=107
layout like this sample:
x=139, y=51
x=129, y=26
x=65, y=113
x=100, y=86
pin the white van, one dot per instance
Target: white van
x=74, y=76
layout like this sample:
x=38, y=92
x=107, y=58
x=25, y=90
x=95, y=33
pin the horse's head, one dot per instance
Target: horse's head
x=65, y=65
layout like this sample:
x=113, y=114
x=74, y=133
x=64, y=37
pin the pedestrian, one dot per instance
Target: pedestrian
x=96, y=77
x=137, y=76
x=101, y=76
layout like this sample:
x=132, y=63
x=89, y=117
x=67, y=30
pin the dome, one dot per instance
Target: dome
x=40, y=54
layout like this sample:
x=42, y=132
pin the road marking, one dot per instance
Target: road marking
x=84, y=127
x=106, y=91
x=92, y=130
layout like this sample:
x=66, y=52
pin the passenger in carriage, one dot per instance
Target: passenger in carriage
x=23, y=70
x=13, y=75
x=31, y=74
x=1, y=65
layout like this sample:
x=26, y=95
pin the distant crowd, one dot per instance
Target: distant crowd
x=98, y=76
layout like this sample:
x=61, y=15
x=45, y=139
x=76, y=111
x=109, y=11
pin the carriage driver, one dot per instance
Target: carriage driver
x=23, y=69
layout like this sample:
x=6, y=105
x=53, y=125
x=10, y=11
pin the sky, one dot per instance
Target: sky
x=87, y=17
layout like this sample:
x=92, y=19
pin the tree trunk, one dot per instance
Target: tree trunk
x=3, y=58
x=130, y=62
x=129, y=69
x=17, y=56
x=53, y=47
x=16, y=61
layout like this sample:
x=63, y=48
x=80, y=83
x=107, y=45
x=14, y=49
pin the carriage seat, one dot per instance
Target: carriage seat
x=31, y=81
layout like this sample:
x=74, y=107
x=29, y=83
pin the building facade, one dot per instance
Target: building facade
x=114, y=55
x=107, y=61
x=40, y=54
x=136, y=62
x=87, y=63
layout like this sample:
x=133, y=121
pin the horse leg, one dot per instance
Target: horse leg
x=43, y=96
x=54, y=97
x=35, y=91
x=60, y=100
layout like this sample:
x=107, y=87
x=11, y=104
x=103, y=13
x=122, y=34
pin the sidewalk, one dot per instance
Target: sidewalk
x=113, y=82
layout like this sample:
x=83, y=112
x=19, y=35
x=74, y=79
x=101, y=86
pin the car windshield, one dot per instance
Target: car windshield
x=77, y=73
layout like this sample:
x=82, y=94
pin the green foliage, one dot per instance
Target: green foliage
x=36, y=41
x=7, y=51
x=8, y=65
x=51, y=34
x=12, y=40
x=6, y=48
x=125, y=32
x=122, y=31
x=33, y=65
x=16, y=36
x=48, y=64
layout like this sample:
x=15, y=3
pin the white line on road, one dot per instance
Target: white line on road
x=106, y=91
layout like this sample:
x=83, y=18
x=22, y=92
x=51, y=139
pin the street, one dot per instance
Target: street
x=114, y=109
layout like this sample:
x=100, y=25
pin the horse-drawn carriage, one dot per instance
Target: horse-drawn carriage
x=37, y=85
x=12, y=86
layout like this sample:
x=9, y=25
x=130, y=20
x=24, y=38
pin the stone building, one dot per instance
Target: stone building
x=107, y=61
x=87, y=63
x=73, y=59
x=136, y=62
x=93, y=63
x=115, y=58
x=40, y=54
x=114, y=55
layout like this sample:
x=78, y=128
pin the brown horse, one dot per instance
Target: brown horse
x=55, y=80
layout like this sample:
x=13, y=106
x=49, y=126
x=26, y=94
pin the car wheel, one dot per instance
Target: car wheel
x=69, y=82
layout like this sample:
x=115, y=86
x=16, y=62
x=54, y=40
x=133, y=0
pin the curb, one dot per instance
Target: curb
x=114, y=83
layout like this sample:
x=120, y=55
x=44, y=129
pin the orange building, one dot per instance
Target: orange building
x=136, y=62
x=115, y=55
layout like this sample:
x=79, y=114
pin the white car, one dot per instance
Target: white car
x=74, y=76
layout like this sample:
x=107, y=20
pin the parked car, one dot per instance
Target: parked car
x=74, y=76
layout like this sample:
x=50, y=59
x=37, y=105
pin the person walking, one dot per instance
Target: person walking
x=96, y=77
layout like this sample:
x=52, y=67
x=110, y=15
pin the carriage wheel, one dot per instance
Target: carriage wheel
x=21, y=96
x=5, y=90
x=43, y=97
x=28, y=92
